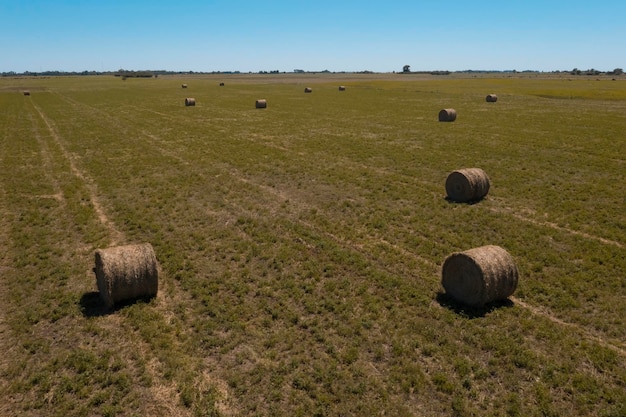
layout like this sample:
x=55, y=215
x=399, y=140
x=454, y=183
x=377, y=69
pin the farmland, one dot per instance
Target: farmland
x=301, y=245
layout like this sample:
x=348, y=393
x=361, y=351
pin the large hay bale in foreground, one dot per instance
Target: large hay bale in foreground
x=447, y=115
x=342, y=88
x=26, y=93
x=491, y=98
x=126, y=273
x=184, y=86
x=468, y=184
x=479, y=276
x=261, y=104
x=308, y=90
x=190, y=101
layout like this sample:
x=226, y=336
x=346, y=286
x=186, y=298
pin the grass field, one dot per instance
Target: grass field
x=301, y=246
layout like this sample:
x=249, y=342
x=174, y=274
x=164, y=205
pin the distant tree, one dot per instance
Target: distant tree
x=406, y=68
x=575, y=71
x=617, y=71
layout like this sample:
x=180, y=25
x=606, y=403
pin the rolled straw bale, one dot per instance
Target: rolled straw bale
x=308, y=90
x=342, y=88
x=491, y=98
x=447, y=115
x=468, y=184
x=190, y=101
x=26, y=93
x=479, y=276
x=261, y=104
x=126, y=273
x=184, y=86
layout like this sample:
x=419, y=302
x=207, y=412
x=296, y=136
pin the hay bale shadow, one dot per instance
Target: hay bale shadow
x=463, y=310
x=92, y=304
x=466, y=203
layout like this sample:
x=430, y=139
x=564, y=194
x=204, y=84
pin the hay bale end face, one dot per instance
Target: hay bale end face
x=467, y=185
x=184, y=86
x=125, y=273
x=491, y=98
x=342, y=88
x=190, y=101
x=447, y=115
x=480, y=276
x=26, y=93
x=261, y=104
x=308, y=90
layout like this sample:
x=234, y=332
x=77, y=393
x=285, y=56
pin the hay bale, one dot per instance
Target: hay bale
x=491, y=98
x=261, y=104
x=308, y=90
x=126, y=273
x=190, y=101
x=184, y=86
x=447, y=115
x=466, y=185
x=221, y=84
x=26, y=93
x=479, y=276
x=342, y=88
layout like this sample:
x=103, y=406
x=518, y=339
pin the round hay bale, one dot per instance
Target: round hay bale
x=184, y=86
x=491, y=98
x=126, y=273
x=468, y=184
x=190, y=101
x=261, y=104
x=308, y=90
x=26, y=93
x=342, y=88
x=447, y=115
x=479, y=276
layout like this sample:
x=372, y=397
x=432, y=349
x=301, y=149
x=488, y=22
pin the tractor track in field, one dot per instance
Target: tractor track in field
x=116, y=235
x=615, y=346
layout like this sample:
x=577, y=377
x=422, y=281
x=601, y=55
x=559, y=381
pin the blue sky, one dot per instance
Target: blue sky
x=266, y=35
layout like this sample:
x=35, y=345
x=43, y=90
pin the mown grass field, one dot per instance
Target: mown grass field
x=301, y=246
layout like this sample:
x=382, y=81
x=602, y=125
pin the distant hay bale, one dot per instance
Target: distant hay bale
x=190, y=101
x=342, y=88
x=184, y=86
x=308, y=90
x=126, y=272
x=447, y=115
x=479, y=276
x=468, y=184
x=491, y=98
x=221, y=84
x=261, y=104
x=26, y=93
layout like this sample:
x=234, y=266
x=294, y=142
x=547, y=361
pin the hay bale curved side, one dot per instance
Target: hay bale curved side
x=447, y=115
x=342, y=88
x=190, y=101
x=308, y=90
x=479, y=276
x=468, y=184
x=491, y=98
x=184, y=86
x=261, y=104
x=126, y=273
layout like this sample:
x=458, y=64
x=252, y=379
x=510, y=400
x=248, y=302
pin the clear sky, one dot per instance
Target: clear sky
x=337, y=35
